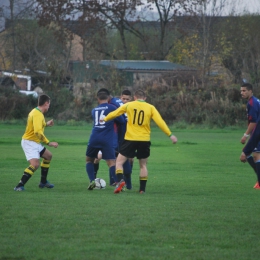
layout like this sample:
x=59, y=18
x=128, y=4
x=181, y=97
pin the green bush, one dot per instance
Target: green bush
x=216, y=106
x=14, y=105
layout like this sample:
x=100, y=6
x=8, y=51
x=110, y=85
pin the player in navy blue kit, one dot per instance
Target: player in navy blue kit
x=121, y=129
x=119, y=133
x=101, y=138
x=253, y=116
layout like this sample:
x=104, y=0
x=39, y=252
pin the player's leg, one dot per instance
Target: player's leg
x=96, y=166
x=27, y=174
x=90, y=172
x=127, y=150
x=91, y=154
x=108, y=154
x=251, y=161
x=96, y=163
x=112, y=171
x=256, y=156
x=127, y=169
x=45, y=165
x=143, y=174
x=120, y=160
x=32, y=154
x=142, y=154
x=131, y=161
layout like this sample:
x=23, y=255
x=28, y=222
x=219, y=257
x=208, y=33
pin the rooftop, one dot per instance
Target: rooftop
x=143, y=65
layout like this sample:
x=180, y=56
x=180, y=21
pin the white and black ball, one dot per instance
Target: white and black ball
x=100, y=183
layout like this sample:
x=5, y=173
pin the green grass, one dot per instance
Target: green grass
x=199, y=202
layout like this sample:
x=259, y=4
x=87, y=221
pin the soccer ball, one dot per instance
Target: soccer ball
x=100, y=183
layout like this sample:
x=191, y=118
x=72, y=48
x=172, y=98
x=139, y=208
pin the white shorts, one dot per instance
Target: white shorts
x=31, y=149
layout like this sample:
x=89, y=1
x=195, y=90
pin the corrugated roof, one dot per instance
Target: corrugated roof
x=143, y=65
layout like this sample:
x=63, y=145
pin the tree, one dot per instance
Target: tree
x=239, y=40
x=207, y=14
x=125, y=18
x=166, y=14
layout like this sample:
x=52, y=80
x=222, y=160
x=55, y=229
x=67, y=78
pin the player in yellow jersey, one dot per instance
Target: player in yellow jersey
x=32, y=144
x=137, y=138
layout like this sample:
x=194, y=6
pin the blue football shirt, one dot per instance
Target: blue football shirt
x=253, y=110
x=102, y=132
x=121, y=128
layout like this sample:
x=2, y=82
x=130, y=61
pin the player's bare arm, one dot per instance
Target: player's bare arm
x=249, y=130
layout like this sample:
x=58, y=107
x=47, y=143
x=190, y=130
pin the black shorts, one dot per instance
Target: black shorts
x=140, y=149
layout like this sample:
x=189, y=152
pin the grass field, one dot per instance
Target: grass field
x=199, y=202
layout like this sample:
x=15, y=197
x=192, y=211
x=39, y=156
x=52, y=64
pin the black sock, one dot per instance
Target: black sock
x=251, y=162
x=44, y=173
x=24, y=179
x=120, y=176
x=96, y=167
x=143, y=184
x=28, y=172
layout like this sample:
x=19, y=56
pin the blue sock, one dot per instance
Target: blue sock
x=128, y=181
x=127, y=174
x=112, y=175
x=90, y=171
x=251, y=162
x=258, y=171
x=127, y=167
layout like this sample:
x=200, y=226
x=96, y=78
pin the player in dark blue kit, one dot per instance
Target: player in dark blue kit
x=119, y=133
x=101, y=138
x=253, y=116
x=121, y=129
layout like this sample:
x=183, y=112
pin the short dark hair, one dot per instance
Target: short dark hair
x=42, y=99
x=126, y=92
x=140, y=93
x=248, y=86
x=103, y=90
x=102, y=95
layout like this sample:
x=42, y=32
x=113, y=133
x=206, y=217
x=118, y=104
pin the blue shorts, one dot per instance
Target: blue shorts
x=253, y=142
x=108, y=153
x=257, y=149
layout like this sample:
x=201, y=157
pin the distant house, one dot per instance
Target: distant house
x=130, y=72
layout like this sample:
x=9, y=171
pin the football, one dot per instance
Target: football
x=100, y=183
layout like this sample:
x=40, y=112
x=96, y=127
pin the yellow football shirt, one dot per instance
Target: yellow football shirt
x=139, y=115
x=35, y=127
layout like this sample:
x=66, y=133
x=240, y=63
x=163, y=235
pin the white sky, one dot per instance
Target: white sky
x=241, y=6
x=238, y=6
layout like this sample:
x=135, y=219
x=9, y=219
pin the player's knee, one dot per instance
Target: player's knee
x=48, y=156
x=256, y=157
x=90, y=160
x=35, y=164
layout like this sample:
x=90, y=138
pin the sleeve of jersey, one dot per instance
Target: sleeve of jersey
x=252, y=110
x=160, y=122
x=38, y=130
x=252, y=116
x=118, y=112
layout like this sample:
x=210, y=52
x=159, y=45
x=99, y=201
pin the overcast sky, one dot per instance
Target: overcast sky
x=239, y=6
x=252, y=6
